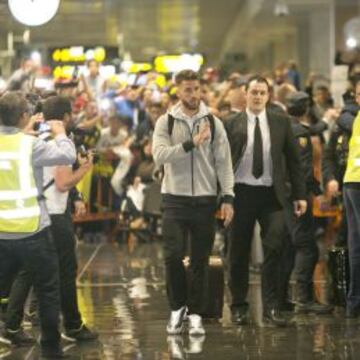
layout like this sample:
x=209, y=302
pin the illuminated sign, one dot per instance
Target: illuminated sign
x=140, y=67
x=176, y=63
x=79, y=54
x=68, y=72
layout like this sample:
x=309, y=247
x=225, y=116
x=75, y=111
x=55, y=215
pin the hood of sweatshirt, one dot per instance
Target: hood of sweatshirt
x=178, y=113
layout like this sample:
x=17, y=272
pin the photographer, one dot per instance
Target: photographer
x=25, y=239
x=64, y=178
x=58, y=181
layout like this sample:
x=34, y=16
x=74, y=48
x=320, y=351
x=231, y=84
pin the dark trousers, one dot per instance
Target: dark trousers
x=255, y=203
x=352, y=204
x=198, y=225
x=300, y=252
x=37, y=255
x=19, y=292
x=64, y=241
x=64, y=238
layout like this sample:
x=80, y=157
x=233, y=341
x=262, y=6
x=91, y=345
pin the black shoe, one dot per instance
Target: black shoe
x=16, y=338
x=287, y=306
x=82, y=334
x=240, y=315
x=314, y=308
x=53, y=353
x=274, y=317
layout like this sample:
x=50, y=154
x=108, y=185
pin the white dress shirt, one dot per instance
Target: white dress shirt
x=243, y=173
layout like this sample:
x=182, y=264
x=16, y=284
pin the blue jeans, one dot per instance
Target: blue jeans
x=36, y=254
x=352, y=205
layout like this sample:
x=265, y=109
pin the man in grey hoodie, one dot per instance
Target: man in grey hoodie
x=193, y=147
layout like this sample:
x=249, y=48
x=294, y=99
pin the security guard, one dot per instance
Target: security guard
x=25, y=240
x=335, y=159
x=300, y=248
x=351, y=195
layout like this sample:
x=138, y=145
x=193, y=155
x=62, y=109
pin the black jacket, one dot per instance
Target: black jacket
x=302, y=133
x=336, y=151
x=283, y=146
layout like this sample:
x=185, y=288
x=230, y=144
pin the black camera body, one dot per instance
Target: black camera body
x=83, y=152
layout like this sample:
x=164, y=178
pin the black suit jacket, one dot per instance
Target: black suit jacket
x=286, y=162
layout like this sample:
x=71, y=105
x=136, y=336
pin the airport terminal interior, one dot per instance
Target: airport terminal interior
x=149, y=226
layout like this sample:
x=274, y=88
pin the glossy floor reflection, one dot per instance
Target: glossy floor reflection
x=122, y=295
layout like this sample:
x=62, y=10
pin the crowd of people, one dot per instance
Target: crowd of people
x=245, y=149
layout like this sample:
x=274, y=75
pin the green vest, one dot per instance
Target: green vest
x=19, y=207
x=352, y=173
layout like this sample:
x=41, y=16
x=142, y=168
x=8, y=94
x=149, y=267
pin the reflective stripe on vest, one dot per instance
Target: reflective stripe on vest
x=19, y=208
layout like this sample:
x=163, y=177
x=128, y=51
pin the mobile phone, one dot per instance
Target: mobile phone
x=44, y=127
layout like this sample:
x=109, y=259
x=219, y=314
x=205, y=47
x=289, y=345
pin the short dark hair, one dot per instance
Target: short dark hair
x=186, y=75
x=322, y=88
x=48, y=93
x=55, y=107
x=258, y=79
x=13, y=105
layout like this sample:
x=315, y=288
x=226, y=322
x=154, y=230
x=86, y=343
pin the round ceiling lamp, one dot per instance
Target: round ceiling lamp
x=34, y=12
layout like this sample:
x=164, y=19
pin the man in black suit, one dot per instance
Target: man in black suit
x=260, y=141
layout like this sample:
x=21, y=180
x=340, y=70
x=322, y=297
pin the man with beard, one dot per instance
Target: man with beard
x=196, y=157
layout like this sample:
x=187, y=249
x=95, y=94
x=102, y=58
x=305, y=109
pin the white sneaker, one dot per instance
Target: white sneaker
x=176, y=322
x=195, y=325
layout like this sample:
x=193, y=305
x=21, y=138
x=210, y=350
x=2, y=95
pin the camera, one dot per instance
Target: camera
x=44, y=127
x=41, y=127
x=83, y=152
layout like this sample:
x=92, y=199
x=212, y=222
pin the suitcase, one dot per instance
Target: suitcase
x=339, y=271
x=215, y=298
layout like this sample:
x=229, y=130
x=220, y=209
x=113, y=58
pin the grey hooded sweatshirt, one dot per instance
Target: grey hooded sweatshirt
x=191, y=171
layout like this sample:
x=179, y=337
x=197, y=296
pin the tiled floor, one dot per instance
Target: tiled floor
x=122, y=295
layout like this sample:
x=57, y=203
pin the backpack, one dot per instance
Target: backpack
x=210, y=117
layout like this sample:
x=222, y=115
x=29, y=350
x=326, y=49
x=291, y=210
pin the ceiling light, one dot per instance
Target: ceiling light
x=351, y=43
x=34, y=12
x=36, y=57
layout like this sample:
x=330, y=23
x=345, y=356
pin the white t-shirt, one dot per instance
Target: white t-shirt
x=56, y=201
x=108, y=141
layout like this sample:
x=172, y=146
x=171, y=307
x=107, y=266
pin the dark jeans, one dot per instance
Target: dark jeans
x=301, y=252
x=37, y=255
x=18, y=295
x=198, y=224
x=64, y=241
x=255, y=203
x=352, y=204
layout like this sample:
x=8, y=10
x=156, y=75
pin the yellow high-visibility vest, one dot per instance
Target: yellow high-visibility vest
x=19, y=207
x=352, y=173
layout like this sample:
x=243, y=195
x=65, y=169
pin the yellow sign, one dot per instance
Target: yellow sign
x=175, y=63
x=78, y=54
x=140, y=67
